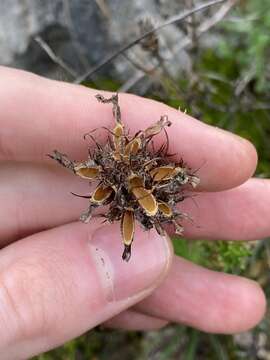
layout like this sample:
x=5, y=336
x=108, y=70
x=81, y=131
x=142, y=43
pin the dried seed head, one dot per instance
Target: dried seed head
x=150, y=42
x=134, y=180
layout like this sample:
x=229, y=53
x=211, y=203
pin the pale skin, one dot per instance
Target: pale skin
x=60, y=278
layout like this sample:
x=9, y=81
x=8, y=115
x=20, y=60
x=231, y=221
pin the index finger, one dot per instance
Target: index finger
x=39, y=115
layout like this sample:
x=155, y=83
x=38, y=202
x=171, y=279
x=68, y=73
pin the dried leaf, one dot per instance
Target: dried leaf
x=127, y=227
x=145, y=198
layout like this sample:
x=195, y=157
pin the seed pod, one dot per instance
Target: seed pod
x=101, y=194
x=145, y=198
x=127, y=227
x=118, y=140
x=164, y=173
x=87, y=172
x=165, y=209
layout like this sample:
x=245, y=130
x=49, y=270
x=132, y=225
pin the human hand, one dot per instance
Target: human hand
x=59, y=278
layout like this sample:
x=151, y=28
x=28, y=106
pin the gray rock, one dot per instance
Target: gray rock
x=82, y=33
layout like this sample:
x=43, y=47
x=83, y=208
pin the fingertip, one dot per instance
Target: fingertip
x=248, y=160
x=242, y=308
x=230, y=161
x=253, y=303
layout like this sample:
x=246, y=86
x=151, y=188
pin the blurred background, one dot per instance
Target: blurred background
x=213, y=64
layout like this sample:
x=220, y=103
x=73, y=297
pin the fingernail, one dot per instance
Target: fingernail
x=149, y=262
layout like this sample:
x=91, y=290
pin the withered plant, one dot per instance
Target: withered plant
x=134, y=179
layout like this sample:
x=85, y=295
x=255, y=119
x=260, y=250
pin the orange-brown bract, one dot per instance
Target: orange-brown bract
x=136, y=181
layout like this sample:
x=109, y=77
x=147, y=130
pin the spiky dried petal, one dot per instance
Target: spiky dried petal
x=87, y=172
x=128, y=227
x=144, y=197
x=165, y=209
x=101, y=194
x=164, y=173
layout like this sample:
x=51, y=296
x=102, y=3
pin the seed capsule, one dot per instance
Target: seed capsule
x=86, y=172
x=127, y=227
x=101, y=194
x=165, y=209
x=145, y=198
x=118, y=140
x=164, y=173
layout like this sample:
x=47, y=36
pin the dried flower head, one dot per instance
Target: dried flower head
x=150, y=42
x=136, y=181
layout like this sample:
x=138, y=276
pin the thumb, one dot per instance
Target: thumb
x=57, y=284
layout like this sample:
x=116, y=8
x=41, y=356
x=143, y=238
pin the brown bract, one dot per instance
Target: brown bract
x=136, y=180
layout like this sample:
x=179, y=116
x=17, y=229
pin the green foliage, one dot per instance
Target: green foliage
x=248, y=38
x=226, y=256
x=108, y=344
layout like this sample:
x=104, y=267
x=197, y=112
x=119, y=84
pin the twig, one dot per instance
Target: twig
x=171, y=21
x=54, y=57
